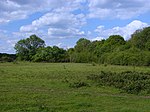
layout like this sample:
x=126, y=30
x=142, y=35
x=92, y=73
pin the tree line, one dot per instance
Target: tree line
x=113, y=50
x=4, y=57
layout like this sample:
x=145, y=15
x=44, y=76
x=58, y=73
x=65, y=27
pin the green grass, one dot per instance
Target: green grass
x=45, y=87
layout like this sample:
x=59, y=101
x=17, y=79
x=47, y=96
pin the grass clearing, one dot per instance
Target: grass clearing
x=44, y=87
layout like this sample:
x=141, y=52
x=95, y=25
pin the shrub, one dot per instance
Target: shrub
x=129, y=81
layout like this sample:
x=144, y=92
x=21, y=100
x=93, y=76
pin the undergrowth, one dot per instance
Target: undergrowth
x=129, y=81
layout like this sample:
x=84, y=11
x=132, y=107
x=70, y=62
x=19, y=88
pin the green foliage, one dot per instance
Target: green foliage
x=7, y=57
x=115, y=40
x=71, y=54
x=82, y=45
x=112, y=43
x=38, y=87
x=129, y=81
x=129, y=57
x=147, y=45
x=114, y=50
x=26, y=48
x=140, y=38
x=50, y=54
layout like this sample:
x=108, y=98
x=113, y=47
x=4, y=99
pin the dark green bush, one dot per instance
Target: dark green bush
x=129, y=81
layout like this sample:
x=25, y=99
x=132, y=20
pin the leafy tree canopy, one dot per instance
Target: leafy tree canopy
x=141, y=38
x=113, y=50
x=26, y=48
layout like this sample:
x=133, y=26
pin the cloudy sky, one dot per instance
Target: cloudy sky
x=63, y=22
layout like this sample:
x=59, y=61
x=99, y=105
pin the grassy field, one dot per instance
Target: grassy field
x=46, y=87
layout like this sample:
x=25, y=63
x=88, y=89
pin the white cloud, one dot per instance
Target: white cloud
x=6, y=44
x=125, y=31
x=122, y=9
x=12, y=42
x=12, y=11
x=65, y=33
x=59, y=24
x=28, y=28
x=59, y=19
x=97, y=38
x=59, y=44
x=19, y=9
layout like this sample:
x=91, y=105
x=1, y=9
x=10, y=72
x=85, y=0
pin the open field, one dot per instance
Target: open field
x=47, y=87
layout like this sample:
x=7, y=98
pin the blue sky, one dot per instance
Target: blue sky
x=63, y=22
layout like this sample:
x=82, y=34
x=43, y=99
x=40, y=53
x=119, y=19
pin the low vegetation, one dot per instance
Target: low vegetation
x=73, y=87
x=129, y=81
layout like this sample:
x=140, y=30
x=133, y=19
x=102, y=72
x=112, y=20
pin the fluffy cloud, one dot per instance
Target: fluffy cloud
x=59, y=24
x=19, y=9
x=11, y=10
x=55, y=19
x=28, y=28
x=6, y=44
x=125, y=31
x=122, y=9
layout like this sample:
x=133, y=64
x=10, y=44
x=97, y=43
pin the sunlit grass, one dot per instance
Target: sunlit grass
x=44, y=87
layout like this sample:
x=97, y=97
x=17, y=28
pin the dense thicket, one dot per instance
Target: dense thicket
x=114, y=50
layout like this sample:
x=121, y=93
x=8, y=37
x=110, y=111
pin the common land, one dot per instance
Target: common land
x=64, y=87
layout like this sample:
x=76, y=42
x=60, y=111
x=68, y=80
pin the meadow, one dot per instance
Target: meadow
x=64, y=87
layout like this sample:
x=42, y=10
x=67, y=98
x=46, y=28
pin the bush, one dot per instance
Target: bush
x=129, y=81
